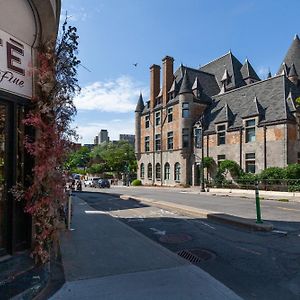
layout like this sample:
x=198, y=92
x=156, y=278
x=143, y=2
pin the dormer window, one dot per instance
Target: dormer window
x=158, y=100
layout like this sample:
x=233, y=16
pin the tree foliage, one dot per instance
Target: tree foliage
x=77, y=159
x=50, y=117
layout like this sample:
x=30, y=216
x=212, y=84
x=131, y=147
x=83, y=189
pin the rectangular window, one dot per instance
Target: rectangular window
x=185, y=138
x=250, y=131
x=198, y=138
x=170, y=114
x=298, y=158
x=157, y=118
x=147, y=121
x=147, y=143
x=170, y=140
x=221, y=134
x=157, y=142
x=250, y=163
x=185, y=110
x=221, y=158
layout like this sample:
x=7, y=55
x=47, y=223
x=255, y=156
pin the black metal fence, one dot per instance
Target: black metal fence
x=282, y=185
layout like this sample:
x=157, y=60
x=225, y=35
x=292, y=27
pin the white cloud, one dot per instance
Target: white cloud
x=88, y=131
x=119, y=95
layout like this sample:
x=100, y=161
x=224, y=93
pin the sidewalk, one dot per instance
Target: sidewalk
x=105, y=259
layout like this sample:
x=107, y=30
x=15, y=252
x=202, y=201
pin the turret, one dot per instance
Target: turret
x=138, y=112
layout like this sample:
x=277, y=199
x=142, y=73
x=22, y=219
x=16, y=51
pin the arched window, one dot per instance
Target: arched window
x=177, y=172
x=157, y=171
x=149, y=171
x=167, y=171
x=142, y=169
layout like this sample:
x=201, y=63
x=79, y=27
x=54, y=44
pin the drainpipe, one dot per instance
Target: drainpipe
x=241, y=147
x=265, y=147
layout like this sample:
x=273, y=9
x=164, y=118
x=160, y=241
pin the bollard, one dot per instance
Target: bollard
x=258, y=213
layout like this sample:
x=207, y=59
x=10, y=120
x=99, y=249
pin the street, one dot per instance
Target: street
x=255, y=265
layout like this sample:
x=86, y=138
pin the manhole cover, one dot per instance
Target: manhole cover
x=196, y=255
x=175, y=238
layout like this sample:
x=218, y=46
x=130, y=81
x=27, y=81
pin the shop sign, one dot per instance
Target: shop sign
x=15, y=66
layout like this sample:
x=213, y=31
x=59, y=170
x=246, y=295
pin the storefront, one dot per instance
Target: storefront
x=23, y=25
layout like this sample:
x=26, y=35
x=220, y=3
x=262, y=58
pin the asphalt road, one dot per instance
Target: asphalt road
x=284, y=216
x=255, y=265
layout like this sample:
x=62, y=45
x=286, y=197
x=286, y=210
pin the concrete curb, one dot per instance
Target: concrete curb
x=202, y=213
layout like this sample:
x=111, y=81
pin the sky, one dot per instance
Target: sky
x=116, y=34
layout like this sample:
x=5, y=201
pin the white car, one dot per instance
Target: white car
x=87, y=182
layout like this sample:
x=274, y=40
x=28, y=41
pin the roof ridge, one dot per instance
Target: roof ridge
x=197, y=70
x=247, y=86
x=229, y=52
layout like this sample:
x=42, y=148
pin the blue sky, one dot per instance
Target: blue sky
x=114, y=34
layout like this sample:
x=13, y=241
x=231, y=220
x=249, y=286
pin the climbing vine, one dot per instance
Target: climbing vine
x=50, y=116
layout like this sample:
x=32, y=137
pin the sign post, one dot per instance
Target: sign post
x=258, y=212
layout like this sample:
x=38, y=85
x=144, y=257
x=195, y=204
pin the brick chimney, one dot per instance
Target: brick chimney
x=167, y=77
x=154, y=84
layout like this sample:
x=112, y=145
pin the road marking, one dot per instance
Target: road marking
x=280, y=231
x=207, y=225
x=95, y=212
x=157, y=231
x=285, y=208
x=250, y=251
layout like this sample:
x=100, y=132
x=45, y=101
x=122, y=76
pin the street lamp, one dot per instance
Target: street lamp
x=199, y=144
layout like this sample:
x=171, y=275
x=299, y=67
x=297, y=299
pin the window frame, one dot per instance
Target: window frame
x=157, y=118
x=167, y=169
x=221, y=134
x=250, y=161
x=142, y=170
x=185, y=110
x=158, y=171
x=170, y=140
x=157, y=142
x=220, y=158
x=177, y=171
x=248, y=129
x=185, y=138
x=147, y=121
x=149, y=171
x=147, y=143
x=170, y=114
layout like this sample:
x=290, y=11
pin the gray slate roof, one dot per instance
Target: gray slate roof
x=140, y=104
x=292, y=56
x=248, y=71
x=270, y=94
x=233, y=66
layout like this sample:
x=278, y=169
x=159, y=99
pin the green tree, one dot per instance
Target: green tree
x=78, y=159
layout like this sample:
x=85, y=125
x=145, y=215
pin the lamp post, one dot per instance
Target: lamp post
x=200, y=126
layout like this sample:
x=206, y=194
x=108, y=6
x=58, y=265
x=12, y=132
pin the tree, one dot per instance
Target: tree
x=78, y=159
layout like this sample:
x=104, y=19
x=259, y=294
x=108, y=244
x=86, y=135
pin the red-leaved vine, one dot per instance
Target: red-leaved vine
x=50, y=116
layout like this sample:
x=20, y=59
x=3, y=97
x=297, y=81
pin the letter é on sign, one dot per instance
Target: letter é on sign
x=12, y=59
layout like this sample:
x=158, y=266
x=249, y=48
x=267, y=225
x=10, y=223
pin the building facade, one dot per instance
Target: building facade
x=130, y=138
x=221, y=110
x=24, y=24
x=103, y=136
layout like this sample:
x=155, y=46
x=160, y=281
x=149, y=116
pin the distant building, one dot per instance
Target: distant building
x=103, y=136
x=96, y=140
x=127, y=137
x=90, y=146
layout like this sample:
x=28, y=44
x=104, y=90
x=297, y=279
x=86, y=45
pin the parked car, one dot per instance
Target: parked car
x=87, y=182
x=95, y=181
x=103, y=183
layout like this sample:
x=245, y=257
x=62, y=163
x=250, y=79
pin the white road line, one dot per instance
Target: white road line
x=207, y=225
x=248, y=250
x=95, y=212
x=280, y=232
x=159, y=232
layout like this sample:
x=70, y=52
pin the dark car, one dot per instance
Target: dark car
x=95, y=181
x=103, y=183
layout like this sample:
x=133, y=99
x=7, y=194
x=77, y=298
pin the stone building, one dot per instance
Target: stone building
x=24, y=24
x=221, y=110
